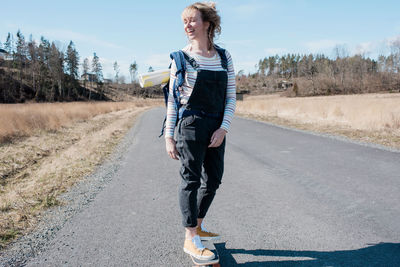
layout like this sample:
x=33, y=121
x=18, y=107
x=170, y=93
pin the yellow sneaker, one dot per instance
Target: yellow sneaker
x=196, y=249
x=205, y=235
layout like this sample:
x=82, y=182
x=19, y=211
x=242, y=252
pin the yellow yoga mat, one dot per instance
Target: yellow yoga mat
x=153, y=78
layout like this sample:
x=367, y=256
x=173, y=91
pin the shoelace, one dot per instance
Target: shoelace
x=197, y=242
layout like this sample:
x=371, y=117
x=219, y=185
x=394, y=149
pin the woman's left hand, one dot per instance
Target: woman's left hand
x=217, y=138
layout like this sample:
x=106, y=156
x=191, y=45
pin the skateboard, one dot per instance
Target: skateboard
x=210, y=263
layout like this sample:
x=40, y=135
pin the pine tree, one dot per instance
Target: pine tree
x=97, y=71
x=20, y=54
x=20, y=58
x=8, y=45
x=72, y=60
x=132, y=70
x=96, y=68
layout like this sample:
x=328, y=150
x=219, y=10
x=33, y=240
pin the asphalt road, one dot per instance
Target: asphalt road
x=288, y=198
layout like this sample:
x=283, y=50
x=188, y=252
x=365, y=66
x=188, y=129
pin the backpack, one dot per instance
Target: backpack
x=180, y=57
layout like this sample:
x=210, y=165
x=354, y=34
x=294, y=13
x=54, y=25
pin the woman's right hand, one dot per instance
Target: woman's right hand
x=170, y=146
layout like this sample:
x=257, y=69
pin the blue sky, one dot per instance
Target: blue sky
x=147, y=31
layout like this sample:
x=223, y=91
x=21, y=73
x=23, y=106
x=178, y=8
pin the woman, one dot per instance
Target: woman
x=208, y=97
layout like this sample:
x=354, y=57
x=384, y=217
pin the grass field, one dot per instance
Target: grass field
x=21, y=120
x=48, y=147
x=367, y=117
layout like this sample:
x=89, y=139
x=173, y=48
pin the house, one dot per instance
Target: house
x=90, y=77
x=3, y=54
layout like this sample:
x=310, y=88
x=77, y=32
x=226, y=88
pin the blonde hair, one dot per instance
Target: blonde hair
x=208, y=14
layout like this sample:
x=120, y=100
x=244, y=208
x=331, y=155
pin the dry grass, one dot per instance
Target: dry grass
x=18, y=120
x=367, y=117
x=34, y=170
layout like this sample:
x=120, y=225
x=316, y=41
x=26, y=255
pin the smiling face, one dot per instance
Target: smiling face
x=194, y=26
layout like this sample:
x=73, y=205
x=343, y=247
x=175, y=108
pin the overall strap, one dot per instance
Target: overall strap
x=224, y=60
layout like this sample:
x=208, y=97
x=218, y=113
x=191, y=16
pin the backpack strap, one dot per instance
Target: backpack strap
x=180, y=76
x=179, y=57
x=191, y=60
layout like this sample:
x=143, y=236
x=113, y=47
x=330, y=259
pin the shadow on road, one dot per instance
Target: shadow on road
x=382, y=254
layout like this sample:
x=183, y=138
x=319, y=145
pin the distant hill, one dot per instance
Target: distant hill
x=17, y=88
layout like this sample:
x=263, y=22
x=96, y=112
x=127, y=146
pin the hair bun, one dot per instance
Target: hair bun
x=211, y=4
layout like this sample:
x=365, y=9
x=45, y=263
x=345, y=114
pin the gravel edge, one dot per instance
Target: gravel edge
x=76, y=199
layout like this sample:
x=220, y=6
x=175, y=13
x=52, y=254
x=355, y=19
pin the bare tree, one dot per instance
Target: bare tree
x=121, y=80
x=56, y=64
x=116, y=69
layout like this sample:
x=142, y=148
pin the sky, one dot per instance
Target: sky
x=148, y=31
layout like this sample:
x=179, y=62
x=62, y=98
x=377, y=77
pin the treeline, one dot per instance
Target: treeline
x=304, y=75
x=43, y=71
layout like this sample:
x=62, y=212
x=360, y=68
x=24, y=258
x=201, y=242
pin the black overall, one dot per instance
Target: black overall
x=202, y=167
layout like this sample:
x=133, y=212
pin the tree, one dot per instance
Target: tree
x=97, y=69
x=43, y=68
x=309, y=69
x=85, y=67
x=71, y=58
x=56, y=66
x=72, y=61
x=34, y=61
x=8, y=45
x=20, y=58
x=272, y=64
x=21, y=53
x=262, y=66
x=132, y=70
x=121, y=79
x=116, y=69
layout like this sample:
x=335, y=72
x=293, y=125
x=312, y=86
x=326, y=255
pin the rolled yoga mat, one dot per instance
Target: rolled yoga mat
x=154, y=78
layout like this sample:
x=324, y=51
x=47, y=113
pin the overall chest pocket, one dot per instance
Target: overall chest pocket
x=214, y=93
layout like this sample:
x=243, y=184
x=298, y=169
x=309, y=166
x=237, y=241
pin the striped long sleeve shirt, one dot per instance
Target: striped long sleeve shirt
x=205, y=63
